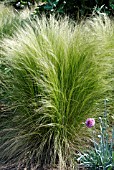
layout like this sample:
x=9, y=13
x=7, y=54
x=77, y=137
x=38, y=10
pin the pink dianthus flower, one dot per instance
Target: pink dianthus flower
x=90, y=122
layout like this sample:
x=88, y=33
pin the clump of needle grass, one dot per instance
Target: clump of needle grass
x=58, y=71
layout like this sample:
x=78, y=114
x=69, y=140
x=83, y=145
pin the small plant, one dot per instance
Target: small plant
x=102, y=156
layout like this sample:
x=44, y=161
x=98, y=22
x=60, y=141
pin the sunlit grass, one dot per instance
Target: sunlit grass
x=58, y=72
x=10, y=20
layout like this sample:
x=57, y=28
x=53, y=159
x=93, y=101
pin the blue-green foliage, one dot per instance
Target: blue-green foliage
x=102, y=156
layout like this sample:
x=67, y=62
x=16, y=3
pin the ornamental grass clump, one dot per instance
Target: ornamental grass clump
x=57, y=73
x=102, y=155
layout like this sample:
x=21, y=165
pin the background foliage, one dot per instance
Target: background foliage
x=74, y=8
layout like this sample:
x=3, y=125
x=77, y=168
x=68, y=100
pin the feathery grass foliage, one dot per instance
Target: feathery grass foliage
x=8, y=21
x=57, y=73
x=11, y=20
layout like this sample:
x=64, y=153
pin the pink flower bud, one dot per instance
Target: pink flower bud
x=90, y=122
